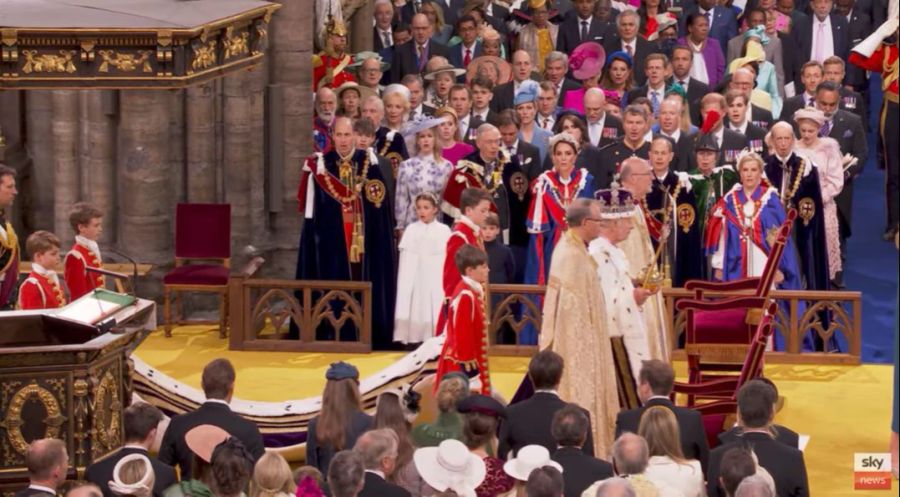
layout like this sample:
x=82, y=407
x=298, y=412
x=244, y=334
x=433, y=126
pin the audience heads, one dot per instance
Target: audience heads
x=218, y=379
x=453, y=388
x=737, y=464
x=636, y=176
x=834, y=69
x=545, y=370
x=141, y=421
x=555, y=66
x=384, y=14
x=661, y=154
x=754, y=486
x=342, y=135
x=615, y=487
x=594, y=104
x=481, y=416
x=628, y=22
x=43, y=247
x=828, y=98
x=326, y=104
x=545, y=481
x=373, y=108
x=309, y=473
x=670, y=115
x=231, y=468
x=346, y=474
x=659, y=427
x=47, y=462
x=488, y=141
x=272, y=476
x=83, y=216
x=83, y=489
x=630, y=454
x=378, y=450
x=755, y=406
x=421, y=28
x=811, y=75
x=655, y=378
x=133, y=476
x=682, y=59
x=521, y=62
x=570, y=426
x=635, y=119
x=8, y=190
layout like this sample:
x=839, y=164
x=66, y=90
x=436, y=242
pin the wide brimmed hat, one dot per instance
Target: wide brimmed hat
x=498, y=65
x=348, y=85
x=757, y=32
x=141, y=488
x=361, y=57
x=203, y=440
x=755, y=54
x=430, y=75
x=615, y=203
x=421, y=124
x=528, y=92
x=810, y=113
x=528, y=459
x=664, y=21
x=450, y=466
x=587, y=60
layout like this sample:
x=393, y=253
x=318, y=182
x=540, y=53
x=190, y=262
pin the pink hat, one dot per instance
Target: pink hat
x=587, y=60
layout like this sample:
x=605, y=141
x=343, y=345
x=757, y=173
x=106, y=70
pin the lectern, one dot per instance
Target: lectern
x=64, y=373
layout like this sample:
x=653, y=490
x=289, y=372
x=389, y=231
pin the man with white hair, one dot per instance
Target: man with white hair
x=669, y=126
x=491, y=168
x=326, y=110
x=612, y=487
x=556, y=65
x=629, y=41
x=631, y=456
x=378, y=449
x=636, y=176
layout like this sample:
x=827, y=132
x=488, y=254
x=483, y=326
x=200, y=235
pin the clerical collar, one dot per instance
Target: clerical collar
x=88, y=244
x=471, y=224
x=474, y=285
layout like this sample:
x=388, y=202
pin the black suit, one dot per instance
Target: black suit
x=840, y=35
x=784, y=435
x=406, y=60
x=642, y=91
x=376, y=486
x=569, y=35
x=695, y=91
x=643, y=48
x=859, y=27
x=684, y=149
x=784, y=463
x=173, y=449
x=530, y=159
x=848, y=130
x=580, y=470
x=32, y=492
x=377, y=41
x=457, y=57
x=791, y=62
x=690, y=423
x=101, y=472
x=528, y=423
x=790, y=106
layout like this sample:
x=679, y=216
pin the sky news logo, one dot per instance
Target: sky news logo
x=871, y=471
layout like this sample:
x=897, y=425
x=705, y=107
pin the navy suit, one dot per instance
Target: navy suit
x=458, y=54
x=840, y=33
x=570, y=33
x=724, y=24
x=406, y=60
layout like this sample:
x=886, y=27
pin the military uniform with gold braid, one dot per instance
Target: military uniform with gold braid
x=331, y=68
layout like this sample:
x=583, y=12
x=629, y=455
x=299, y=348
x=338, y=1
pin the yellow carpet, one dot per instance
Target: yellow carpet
x=845, y=409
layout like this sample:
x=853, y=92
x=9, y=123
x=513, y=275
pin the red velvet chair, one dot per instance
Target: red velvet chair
x=718, y=413
x=203, y=234
x=717, y=336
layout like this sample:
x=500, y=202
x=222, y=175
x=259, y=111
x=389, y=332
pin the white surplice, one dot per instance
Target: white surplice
x=420, y=290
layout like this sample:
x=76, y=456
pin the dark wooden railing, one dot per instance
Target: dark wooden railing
x=264, y=311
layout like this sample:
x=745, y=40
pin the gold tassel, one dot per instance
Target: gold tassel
x=358, y=244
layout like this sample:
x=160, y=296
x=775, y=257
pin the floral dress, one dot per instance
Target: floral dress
x=418, y=175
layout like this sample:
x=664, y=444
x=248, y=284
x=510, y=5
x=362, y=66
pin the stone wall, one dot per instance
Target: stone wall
x=136, y=154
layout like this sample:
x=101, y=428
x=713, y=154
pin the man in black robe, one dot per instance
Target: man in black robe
x=348, y=230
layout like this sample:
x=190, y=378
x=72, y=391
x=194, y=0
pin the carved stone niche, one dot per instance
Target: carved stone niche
x=66, y=385
x=115, y=44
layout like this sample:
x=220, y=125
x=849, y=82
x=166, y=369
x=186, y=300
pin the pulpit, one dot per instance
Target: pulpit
x=64, y=373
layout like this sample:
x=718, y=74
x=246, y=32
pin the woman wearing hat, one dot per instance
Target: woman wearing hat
x=825, y=154
x=525, y=104
x=452, y=147
x=538, y=37
x=586, y=62
x=441, y=76
x=450, y=467
x=528, y=459
x=649, y=12
x=349, y=97
x=221, y=466
x=341, y=420
x=551, y=194
x=768, y=94
x=618, y=77
x=425, y=172
x=481, y=417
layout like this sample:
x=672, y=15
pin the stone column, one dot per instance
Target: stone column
x=145, y=178
x=360, y=27
x=39, y=184
x=98, y=153
x=200, y=128
x=66, y=178
x=237, y=154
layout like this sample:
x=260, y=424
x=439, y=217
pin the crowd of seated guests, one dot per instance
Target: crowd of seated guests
x=477, y=447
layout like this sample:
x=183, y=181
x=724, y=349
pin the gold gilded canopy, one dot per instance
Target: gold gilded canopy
x=142, y=44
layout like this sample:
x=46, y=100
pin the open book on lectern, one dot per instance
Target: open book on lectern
x=95, y=306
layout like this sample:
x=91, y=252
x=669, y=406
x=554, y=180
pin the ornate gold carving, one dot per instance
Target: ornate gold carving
x=13, y=422
x=262, y=37
x=204, y=55
x=87, y=50
x=375, y=192
x=686, y=215
x=106, y=411
x=125, y=62
x=48, y=62
x=81, y=414
x=235, y=45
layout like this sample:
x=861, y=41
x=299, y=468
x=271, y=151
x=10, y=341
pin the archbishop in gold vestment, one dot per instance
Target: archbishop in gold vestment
x=574, y=326
x=639, y=250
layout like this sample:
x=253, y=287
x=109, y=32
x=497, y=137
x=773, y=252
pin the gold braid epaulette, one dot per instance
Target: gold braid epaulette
x=10, y=246
x=789, y=198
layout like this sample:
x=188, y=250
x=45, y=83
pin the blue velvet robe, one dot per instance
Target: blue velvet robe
x=324, y=254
